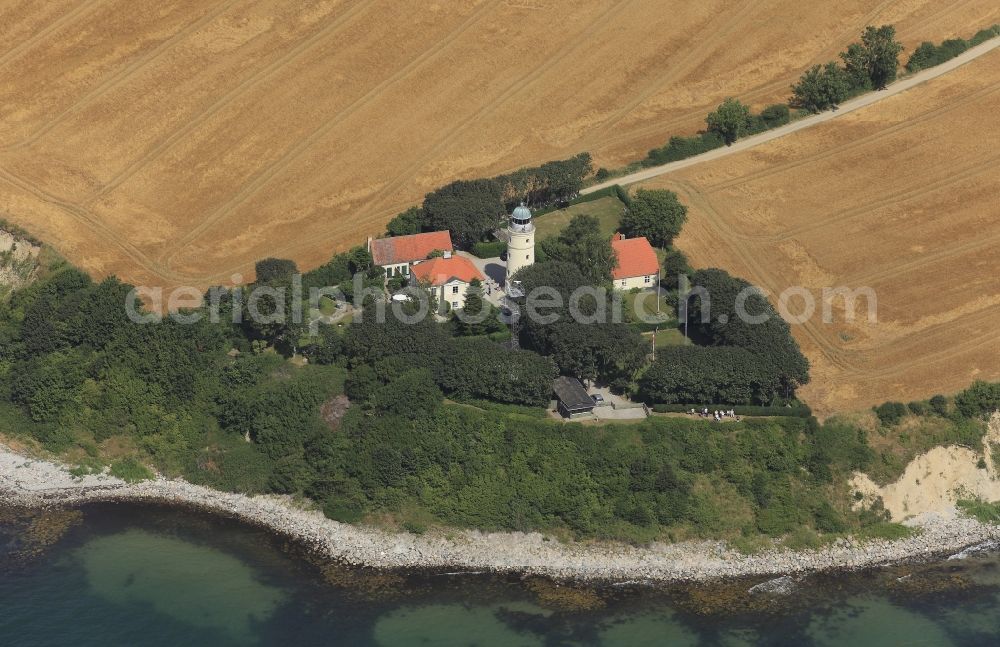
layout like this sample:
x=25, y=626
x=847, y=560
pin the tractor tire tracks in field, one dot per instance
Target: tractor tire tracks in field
x=122, y=75
x=245, y=86
x=521, y=85
x=863, y=101
x=84, y=7
x=266, y=174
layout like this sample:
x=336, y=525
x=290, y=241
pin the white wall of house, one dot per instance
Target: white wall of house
x=452, y=293
x=648, y=281
x=400, y=269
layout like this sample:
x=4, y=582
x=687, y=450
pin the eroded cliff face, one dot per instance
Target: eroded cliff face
x=18, y=262
x=934, y=481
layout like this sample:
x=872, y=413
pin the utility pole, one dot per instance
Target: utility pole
x=686, y=297
x=657, y=292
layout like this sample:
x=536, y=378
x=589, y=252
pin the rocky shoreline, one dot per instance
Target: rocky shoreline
x=40, y=483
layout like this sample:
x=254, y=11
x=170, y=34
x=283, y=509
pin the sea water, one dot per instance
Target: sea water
x=132, y=574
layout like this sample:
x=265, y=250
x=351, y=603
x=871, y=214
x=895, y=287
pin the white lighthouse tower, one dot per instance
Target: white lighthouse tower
x=520, y=241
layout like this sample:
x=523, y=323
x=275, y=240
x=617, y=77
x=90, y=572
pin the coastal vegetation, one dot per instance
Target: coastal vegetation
x=984, y=511
x=899, y=433
x=81, y=377
x=443, y=424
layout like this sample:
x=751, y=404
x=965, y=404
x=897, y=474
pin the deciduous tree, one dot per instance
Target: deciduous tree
x=731, y=120
x=468, y=209
x=873, y=62
x=656, y=214
x=821, y=88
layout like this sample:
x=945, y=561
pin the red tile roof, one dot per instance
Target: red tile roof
x=406, y=249
x=439, y=271
x=636, y=257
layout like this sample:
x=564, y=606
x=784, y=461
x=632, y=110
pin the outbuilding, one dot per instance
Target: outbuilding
x=636, y=266
x=572, y=399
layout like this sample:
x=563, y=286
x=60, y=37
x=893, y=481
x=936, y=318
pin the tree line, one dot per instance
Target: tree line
x=927, y=54
x=472, y=209
x=866, y=65
x=735, y=361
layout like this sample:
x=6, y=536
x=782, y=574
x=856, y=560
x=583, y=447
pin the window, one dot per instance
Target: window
x=623, y=282
x=454, y=289
x=527, y=257
x=454, y=304
x=406, y=270
x=647, y=279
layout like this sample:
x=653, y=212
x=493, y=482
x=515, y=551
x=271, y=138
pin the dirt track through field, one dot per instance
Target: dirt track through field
x=899, y=197
x=177, y=143
x=814, y=120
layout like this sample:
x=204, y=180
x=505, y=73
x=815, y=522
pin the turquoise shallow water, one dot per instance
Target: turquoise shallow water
x=151, y=575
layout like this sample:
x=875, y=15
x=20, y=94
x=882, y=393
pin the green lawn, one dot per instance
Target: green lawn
x=327, y=306
x=647, y=304
x=668, y=337
x=608, y=210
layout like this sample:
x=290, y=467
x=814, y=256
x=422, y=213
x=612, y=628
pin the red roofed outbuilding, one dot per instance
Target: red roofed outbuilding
x=447, y=279
x=397, y=253
x=637, y=265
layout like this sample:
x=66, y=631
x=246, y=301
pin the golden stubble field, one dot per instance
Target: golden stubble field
x=176, y=142
x=903, y=197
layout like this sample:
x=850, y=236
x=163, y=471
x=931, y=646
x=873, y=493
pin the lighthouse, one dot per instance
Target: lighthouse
x=520, y=241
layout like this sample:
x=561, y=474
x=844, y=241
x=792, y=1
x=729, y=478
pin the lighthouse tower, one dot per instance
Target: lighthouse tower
x=520, y=241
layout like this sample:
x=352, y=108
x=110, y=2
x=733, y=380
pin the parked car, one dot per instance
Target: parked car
x=598, y=399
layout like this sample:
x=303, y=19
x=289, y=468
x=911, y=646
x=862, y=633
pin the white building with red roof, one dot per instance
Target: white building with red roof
x=397, y=253
x=637, y=265
x=446, y=278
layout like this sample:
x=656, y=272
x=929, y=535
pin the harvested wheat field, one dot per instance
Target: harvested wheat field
x=176, y=142
x=901, y=197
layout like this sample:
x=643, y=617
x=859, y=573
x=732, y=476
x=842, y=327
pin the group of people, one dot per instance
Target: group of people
x=717, y=415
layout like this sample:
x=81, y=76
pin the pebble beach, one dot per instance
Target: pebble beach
x=32, y=482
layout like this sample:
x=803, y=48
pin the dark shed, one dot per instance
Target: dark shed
x=573, y=399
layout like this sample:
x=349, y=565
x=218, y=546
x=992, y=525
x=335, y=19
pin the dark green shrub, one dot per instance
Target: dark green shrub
x=827, y=519
x=675, y=264
x=344, y=512
x=775, y=115
x=414, y=527
x=984, y=35
x=923, y=57
x=622, y=194
x=918, y=408
x=490, y=249
x=679, y=148
x=979, y=400
x=927, y=54
x=275, y=270
x=130, y=470
x=396, y=283
x=939, y=404
x=890, y=413
x=411, y=221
